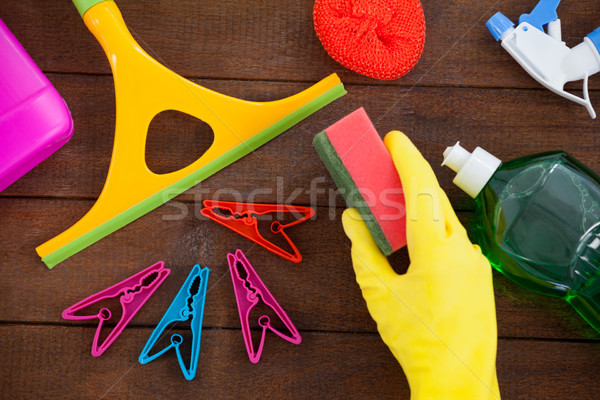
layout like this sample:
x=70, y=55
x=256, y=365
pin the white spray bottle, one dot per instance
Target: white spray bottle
x=544, y=55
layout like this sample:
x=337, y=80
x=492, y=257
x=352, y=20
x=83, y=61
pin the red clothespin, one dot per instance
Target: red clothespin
x=243, y=219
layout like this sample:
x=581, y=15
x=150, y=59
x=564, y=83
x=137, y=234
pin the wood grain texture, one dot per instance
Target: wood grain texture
x=276, y=41
x=508, y=123
x=330, y=366
x=466, y=87
x=324, y=366
x=318, y=294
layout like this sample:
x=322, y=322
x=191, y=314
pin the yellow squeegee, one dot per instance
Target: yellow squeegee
x=144, y=88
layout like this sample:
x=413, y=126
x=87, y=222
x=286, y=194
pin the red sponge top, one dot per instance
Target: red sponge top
x=370, y=165
x=382, y=39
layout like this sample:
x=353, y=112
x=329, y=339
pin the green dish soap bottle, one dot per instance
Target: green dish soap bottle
x=537, y=220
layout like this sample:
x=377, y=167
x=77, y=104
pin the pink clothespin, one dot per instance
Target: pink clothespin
x=249, y=292
x=133, y=292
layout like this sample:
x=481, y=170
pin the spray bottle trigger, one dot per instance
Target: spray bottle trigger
x=542, y=14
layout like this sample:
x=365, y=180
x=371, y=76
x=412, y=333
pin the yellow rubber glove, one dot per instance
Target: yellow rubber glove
x=438, y=319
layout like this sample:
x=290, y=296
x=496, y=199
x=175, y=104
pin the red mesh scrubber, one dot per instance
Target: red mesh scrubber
x=382, y=39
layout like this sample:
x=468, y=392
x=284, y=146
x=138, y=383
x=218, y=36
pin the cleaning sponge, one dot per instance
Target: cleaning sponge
x=382, y=39
x=363, y=170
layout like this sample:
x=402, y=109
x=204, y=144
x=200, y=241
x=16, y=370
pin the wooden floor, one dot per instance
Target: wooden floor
x=465, y=87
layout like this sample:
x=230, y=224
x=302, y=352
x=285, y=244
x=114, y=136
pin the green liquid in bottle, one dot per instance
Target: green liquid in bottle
x=538, y=222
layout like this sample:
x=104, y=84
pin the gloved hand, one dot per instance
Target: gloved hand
x=438, y=319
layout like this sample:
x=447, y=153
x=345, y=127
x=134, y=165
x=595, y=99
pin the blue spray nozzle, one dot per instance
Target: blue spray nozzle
x=498, y=25
x=542, y=14
x=594, y=36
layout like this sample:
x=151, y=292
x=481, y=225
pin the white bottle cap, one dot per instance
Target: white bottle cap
x=473, y=170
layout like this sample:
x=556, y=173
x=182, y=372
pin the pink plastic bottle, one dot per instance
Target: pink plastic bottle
x=34, y=119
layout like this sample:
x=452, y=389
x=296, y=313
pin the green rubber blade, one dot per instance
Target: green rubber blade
x=350, y=191
x=84, y=5
x=195, y=177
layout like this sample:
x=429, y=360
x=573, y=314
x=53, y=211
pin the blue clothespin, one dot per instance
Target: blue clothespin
x=542, y=14
x=188, y=305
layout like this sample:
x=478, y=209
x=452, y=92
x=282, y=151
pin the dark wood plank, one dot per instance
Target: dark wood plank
x=318, y=294
x=276, y=41
x=465, y=87
x=57, y=365
x=506, y=123
x=322, y=366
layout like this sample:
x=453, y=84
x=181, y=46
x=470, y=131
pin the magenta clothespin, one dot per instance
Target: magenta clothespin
x=249, y=292
x=133, y=292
